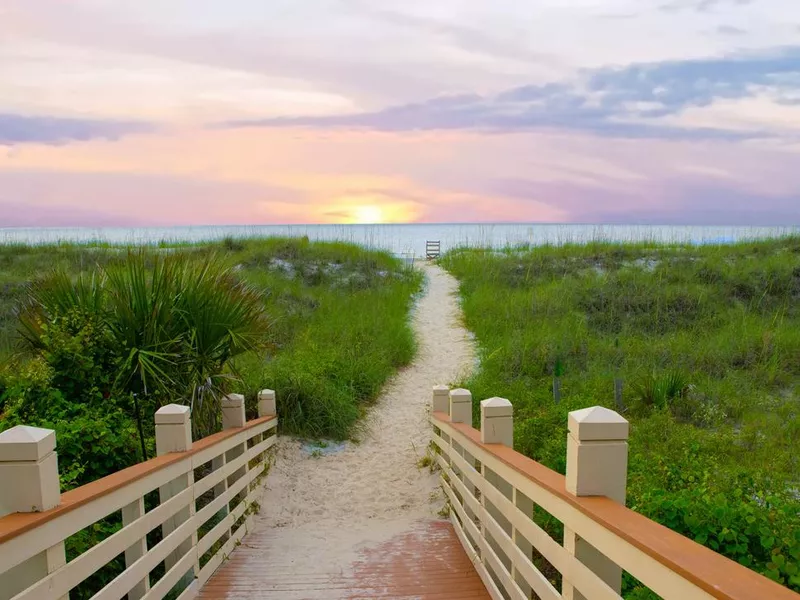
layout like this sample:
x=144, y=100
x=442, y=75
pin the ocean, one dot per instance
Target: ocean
x=408, y=239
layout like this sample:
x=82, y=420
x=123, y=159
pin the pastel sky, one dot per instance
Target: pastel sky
x=184, y=112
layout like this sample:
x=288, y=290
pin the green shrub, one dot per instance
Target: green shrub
x=151, y=330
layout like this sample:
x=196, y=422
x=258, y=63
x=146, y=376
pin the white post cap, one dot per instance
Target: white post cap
x=22, y=443
x=597, y=424
x=496, y=407
x=232, y=400
x=267, y=405
x=460, y=395
x=172, y=414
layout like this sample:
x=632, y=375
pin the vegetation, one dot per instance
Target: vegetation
x=707, y=342
x=93, y=339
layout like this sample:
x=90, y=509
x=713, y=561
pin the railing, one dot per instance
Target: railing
x=493, y=493
x=200, y=497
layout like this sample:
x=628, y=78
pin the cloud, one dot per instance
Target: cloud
x=730, y=30
x=55, y=130
x=621, y=102
x=700, y=5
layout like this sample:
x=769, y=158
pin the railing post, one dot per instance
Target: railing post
x=497, y=427
x=461, y=406
x=174, y=434
x=233, y=411
x=29, y=472
x=233, y=415
x=441, y=399
x=597, y=465
x=497, y=422
x=266, y=403
x=267, y=407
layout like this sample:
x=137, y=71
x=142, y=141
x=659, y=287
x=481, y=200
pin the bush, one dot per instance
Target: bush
x=94, y=438
x=152, y=330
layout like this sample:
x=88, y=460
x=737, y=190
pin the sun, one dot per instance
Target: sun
x=368, y=214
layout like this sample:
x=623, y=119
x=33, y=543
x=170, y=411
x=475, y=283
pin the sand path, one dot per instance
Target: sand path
x=320, y=514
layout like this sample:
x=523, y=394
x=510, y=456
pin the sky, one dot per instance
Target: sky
x=196, y=112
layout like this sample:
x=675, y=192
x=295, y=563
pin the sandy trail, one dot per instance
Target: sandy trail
x=321, y=513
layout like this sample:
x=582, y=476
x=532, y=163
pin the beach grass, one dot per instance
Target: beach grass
x=706, y=340
x=338, y=316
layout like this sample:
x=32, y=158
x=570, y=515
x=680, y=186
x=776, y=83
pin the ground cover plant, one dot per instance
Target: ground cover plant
x=706, y=340
x=94, y=338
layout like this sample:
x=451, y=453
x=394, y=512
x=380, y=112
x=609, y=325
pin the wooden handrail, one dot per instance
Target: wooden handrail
x=15, y=524
x=716, y=574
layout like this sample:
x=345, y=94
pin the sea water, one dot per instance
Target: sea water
x=408, y=239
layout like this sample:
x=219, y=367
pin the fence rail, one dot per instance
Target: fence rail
x=201, y=496
x=493, y=491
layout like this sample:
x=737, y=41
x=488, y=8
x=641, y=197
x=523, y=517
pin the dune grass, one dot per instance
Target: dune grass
x=338, y=319
x=707, y=342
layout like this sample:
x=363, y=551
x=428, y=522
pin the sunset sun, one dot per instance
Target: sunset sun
x=368, y=214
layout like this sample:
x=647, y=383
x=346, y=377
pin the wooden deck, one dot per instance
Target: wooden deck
x=425, y=562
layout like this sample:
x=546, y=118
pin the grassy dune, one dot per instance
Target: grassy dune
x=707, y=342
x=338, y=319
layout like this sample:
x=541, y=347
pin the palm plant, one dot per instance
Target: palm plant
x=175, y=324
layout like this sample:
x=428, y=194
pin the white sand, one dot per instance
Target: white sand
x=379, y=477
x=318, y=512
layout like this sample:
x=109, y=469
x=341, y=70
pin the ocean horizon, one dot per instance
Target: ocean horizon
x=407, y=239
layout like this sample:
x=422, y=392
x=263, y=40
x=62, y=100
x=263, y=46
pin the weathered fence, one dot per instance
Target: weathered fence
x=201, y=495
x=493, y=492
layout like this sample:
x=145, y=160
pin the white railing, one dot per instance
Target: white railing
x=201, y=495
x=493, y=491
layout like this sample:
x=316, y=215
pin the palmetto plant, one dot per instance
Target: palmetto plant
x=175, y=323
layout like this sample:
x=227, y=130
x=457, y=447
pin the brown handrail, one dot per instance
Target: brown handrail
x=16, y=524
x=708, y=570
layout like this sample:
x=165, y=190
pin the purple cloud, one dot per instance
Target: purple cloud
x=55, y=130
x=614, y=102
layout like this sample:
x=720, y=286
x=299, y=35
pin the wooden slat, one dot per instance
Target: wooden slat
x=123, y=582
x=487, y=580
x=223, y=526
x=212, y=565
x=60, y=582
x=574, y=571
x=229, y=438
x=173, y=576
x=486, y=550
x=534, y=578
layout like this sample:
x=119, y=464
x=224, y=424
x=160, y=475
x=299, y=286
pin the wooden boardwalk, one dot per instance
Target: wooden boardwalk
x=426, y=562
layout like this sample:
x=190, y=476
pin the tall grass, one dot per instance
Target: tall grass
x=707, y=342
x=340, y=328
x=337, y=316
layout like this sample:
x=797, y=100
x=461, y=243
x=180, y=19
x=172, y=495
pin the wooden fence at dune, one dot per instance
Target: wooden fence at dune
x=199, y=495
x=494, y=493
